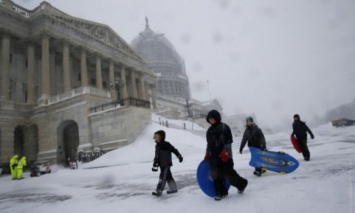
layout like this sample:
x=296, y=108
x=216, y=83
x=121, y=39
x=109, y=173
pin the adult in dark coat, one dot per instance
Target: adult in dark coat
x=162, y=159
x=255, y=138
x=219, y=156
x=300, y=130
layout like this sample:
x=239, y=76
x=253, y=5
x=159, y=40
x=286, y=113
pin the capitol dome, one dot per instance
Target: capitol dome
x=161, y=57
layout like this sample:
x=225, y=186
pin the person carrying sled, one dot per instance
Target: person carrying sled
x=19, y=169
x=219, y=156
x=255, y=138
x=300, y=129
x=163, y=159
x=13, y=165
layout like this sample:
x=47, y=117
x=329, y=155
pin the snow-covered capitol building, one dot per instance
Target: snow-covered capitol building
x=172, y=89
x=161, y=57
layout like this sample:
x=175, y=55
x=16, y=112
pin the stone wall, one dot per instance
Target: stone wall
x=115, y=128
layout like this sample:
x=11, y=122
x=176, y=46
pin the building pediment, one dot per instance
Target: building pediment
x=98, y=31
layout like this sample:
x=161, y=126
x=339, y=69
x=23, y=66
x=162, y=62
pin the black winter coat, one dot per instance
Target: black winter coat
x=163, y=152
x=219, y=137
x=300, y=129
x=255, y=138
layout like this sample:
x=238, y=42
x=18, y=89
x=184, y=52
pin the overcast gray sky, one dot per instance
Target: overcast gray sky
x=273, y=58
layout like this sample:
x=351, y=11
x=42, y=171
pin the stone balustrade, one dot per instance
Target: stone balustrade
x=23, y=106
x=18, y=9
x=79, y=91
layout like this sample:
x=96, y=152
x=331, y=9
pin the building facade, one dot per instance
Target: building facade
x=67, y=84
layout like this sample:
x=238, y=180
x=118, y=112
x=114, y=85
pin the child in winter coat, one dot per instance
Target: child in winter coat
x=255, y=138
x=300, y=129
x=219, y=156
x=162, y=159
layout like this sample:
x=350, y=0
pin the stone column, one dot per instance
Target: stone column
x=83, y=69
x=45, y=69
x=134, y=93
x=66, y=67
x=124, y=93
x=142, y=87
x=5, y=58
x=98, y=72
x=7, y=140
x=112, y=82
x=30, y=74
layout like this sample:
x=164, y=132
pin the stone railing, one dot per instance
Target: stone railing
x=105, y=106
x=79, y=91
x=17, y=106
x=15, y=7
x=138, y=102
x=18, y=9
x=23, y=106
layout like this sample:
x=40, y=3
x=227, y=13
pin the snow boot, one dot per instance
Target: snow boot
x=257, y=173
x=242, y=189
x=219, y=197
x=172, y=191
x=157, y=193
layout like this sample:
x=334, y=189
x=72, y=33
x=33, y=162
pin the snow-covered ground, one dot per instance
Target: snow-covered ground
x=122, y=180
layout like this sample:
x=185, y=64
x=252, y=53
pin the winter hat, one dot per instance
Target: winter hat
x=214, y=114
x=249, y=119
x=296, y=116
x=162, y=134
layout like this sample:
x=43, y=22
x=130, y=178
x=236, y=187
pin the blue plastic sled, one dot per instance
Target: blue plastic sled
x=273, y=161
x=205, y=181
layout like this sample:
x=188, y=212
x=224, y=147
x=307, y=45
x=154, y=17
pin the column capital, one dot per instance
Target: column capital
x=97, y=55
x=30, y=41
x=111, y=61
x=65, y=41
x=122, y=65
x=45, y=33
x=82, y=48
x=131, y=69
x=5, y=32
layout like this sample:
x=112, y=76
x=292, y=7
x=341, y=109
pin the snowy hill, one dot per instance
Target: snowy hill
x=122, y=180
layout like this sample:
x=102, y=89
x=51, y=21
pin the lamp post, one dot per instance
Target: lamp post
x=188, y=109
x=117, y=85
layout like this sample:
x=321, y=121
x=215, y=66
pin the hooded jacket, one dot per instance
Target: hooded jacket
x=254, y=136
x=219, y=137
x=300, y=129
x=163, y=151
x=21, y=163
x=13, y=161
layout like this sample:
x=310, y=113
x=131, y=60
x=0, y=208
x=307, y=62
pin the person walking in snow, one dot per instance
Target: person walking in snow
x=19, y=169
x=13, y=165
x=219, y=156
x=163, y=159
x=255, y=138
x=300, y=130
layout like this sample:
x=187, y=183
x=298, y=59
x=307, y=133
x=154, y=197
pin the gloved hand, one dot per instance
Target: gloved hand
x=224, y=155
x=241, y=151
x=155, y=164
x=207, y=156
x=154, y=169
x=312, y=137
x=180, y=158
x=263, y=148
